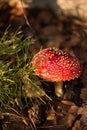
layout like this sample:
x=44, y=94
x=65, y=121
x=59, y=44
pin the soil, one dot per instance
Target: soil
x=50, y=30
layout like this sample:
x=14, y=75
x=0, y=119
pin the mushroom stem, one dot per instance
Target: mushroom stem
x=59, y=89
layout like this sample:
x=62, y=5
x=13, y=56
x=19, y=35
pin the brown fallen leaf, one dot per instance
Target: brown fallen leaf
x=83, y=112
x=83, y=94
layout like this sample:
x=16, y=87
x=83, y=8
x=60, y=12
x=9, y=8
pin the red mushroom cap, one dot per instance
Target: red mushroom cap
x=56, y=65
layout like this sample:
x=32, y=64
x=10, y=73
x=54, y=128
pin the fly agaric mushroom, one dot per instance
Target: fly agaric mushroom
x=56, y=65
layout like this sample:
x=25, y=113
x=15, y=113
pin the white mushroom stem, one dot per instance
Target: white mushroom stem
x=59, y=89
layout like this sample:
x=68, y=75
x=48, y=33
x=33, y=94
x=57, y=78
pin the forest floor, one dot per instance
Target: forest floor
x=50, y=30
